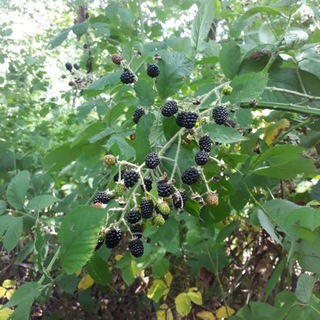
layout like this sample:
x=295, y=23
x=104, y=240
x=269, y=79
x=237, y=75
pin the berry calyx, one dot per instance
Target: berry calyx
x=152, y=160
x=146, y=208
x=164, y=208
x=201, y=158
x=159, y=220
x=101, y=197
x=136, y=248
x=170, y=108
x=109, y=159
x=116, y=59
x=127, y=77
x=153, y=70
x=190, y=176
x=113, y=238
x=164, y=189
x=130, y=178
x=212, y=199
x=220, y=115
x=133, y=216
x=205, y=143
x=138, y=113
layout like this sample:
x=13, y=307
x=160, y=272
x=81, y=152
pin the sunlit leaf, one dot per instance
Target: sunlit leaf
x=224, y=312
x=86, y=282
x=183, y=304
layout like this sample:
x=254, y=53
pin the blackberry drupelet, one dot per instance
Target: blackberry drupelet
x=101, y=197
x=136, y=248
x=133, y=216
x=205, y=143
x=201, y=158
x=152, y=160
x=146, y=208
x=170, y=108
x=113, y=238
x=190, y=176
x=138, y=113
x=153, y=70
x=220, y=115
x=136, y=230
x=164, y=189
x=130, y=178
x=127, y=77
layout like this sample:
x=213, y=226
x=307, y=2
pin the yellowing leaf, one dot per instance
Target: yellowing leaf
x=5, y=313
x=86, y=282
x=164, y=313
x=168, y=279
x=118, y=257
x=183, y=304
x=77, y=273
x=195, y=296
x=224, y=312
x=10, y=293
x=274, y=129
x=165, y=293
x=206, y=315
x=156, y=290
x=9, y=283
x=2, y=292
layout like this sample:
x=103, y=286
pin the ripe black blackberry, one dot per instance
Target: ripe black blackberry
x=180, y=118
x=220, y=115
x=205, y=143
x=190, y=176
x=164, y=189
x=136, y=230
x=138, y=113
x=190, y=120
x=147, y=183
x=201, y=158
x=146, y=208
x=118, y=177
x=76, y=66
x=136, y=248
x=113, y=238
x=179, y=199
x=68, y=66
x=170, y=108
x=130, y=178
x=153, y=70
x=101, y=197
x=133, y=216
x=127, y=77
x=152, y=160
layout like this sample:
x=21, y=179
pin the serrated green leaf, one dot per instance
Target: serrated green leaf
x=13, y=233
x=98, y=270
x=268, y=226
x=58, y=39
x=3, y=206
x=183, y=304
x=305, y=287
x=127, y=275
x=156, y=291
x=230, y=52
x=78, y=236
x=42, y=201
x=160, y=267
x=274, y=278
x=223, y=134
x=144, y=92
x=80, y=29
x=4, y=223
x=247, y=87
x=202, y=23
x=17, y=189
x=107, y=80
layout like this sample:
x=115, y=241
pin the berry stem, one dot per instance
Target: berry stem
x=176, y=158
x=299, y=94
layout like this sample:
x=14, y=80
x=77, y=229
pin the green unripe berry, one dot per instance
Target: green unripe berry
x=227, y=90
x=159, y=220
x=164, y=208
x=109, y=159
x=119, y=189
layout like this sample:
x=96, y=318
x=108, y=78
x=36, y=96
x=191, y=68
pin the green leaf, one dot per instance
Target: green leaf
x=144, y=92
x=42, y=201
x=274, y=278
x=174, y=66
x=98, y=270
x=305, y=287
x=109, y=80
x=223, y=134
x=266, y=34
x=160, y=268
x=247, y=87
x=17, y=189
x=309, y=217
x=294, y=39
x=127, y=275
x=230, y=52
x=80, y=29
x=268, y=226
x=58, y=39
x=156, y=291
x=142, y=145
x=310, y=62
x=202, y=23
x=78, y=236
x=13, y=233
x=23, y=299
x=183, y=304
x=3, y=206
x=195, y=296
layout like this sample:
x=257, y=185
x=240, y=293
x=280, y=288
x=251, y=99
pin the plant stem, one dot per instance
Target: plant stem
x=50, y=265
x=305, y=95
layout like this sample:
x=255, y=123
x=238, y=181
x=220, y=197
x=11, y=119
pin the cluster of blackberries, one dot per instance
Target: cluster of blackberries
x=79, y=81
x=69, y=66
x=102, y=197
x=128, y=77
